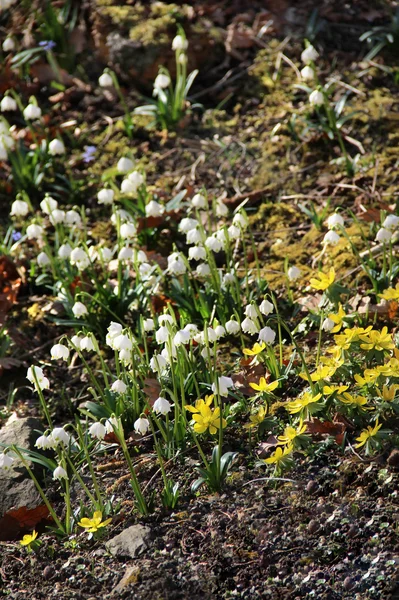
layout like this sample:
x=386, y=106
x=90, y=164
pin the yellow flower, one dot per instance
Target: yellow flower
x=290, y=433
x=205, y=417
x=350, y=336
x=257, y=418
x=322, y=372
x=324, y=281
x=391, y=293
x=29, y=538
x=256, y=349
x=279, y=455
x=328, y=390
x=377, y=340
x=388, y=393
x=262, y=386
x=337, y=318
x=95, y=523
x=360, y=401
x=369, y=377
x=297, y=405
x=366, y=434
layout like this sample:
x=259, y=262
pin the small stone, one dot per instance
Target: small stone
x=131, y=576
x=311, y=487
x=393, y=458
x=313, y=526
x=352, y=532
x=48, y=572
x=132, y=542
x=348, y=584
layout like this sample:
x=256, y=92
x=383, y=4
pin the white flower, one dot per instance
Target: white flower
x=35, y=371
x=267, y=335
x=34, y=232
x=234, y=232
x=145, y=270
x=114, y=330
x=220, y=331
x=86, y=343
x=248, y=326
x=125, y=253
x=148, y=324
x=48, y=204
x=19, y=208
x=307, y=73
x=76, y=341
x=221, y=209
x=240, y=220
x=44, y=442
x=105, y=196
x=8, y=44
x=32, y=112
x=165, y=318
x=128, y=187
x=197, y=253
x=162, y=335
x=327, y=324
x=194, y=236
x=141, y=256
x=212, y=243
x=176, y=264
x=162, y=81
x=119, y=386
x=186, y=224
x=309, y=55
x=391, y=222
x=79, y=258
x=203, y=270
x=128, y=230
x=162, y=406
x=8, y=104
x=121, y=215
x=60, y=436
x=179, y=43
x=142, y=425
x=125, y=165
x=293, y=273
x=223, y=386
x=383, y=235
x=105, y=80
x=60, y=473
x=154, y=209
x=316, y=98
x=181, y=337
x=3, y=151
x=331, y=238
x=5, y=461
x=72, y=217
x=335, y=220
x=123, y=342
x=266, y=307
x=232, y=327
x=64, y=251
x=97, y=430
x=158, y=363
x=79, y=310
x=251, y=311
x=111, y=424
x=191, y=329
x=199, y=201
x=56, y=147
x=42, y=259
x=228, y=279
x=59, y=352
x=57, y=216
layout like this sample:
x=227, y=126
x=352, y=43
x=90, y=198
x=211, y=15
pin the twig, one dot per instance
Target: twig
x=270, y=479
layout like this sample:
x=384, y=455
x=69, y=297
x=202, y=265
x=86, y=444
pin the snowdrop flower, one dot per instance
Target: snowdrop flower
x=35, y=372
x=19, y=208
x=34, y=232
x=114, y=330
x=128, y=187
x=293, y=273
x=251, y=311
x=105, y=80
x=158, y=363
x=125, y=253
x=212, y=243
x=60, y=473
x=56, y=147
x=309, y=55
x=194, y=236
x=3, y=152
x=391, y=222
x=128, y=231
x=176, y=264
x=162, y=406
x=162, y=335
x=191, y=329
x=44, y=442
x=97, y=431
x=316, y=98
x=79, y=310
x=221, y=209
x=181, y=337
x=223, y=386
x=76, y=341
x=105, y=254
x=186, y=224
x=228, y=279
x=125, y=165
x=207, y=353
x=179, y=43
x=162, y=81
x=199, y=201
x=331, y=238
x=197, y=253
x=72, y=217
x=148, y=324
x=145, y=270
x=335, y=220
x=105, y=196
x=59, y=352
x=248, y=326
x=234, y=232
x=86, y=343
x=48, y=204
x=383, y=235
x=267, y=335
x=60, y=436
x=57, y=216
x=154, y=209
x=111, y=424
x=307, y=73
x=123, y=342
x=119, y=386
x=121, y=215
x=220, y=331
x=166, y=319
x=79, y=258
x=5, y=461
x=42, y=259
x=239, y=220
x=203, y=270
x=327, y=324
x=266, y=307
x=8, y=44
x=32, y=112
x=142, y=425
x=141, y=256
x=232, y=327
x=8, y=104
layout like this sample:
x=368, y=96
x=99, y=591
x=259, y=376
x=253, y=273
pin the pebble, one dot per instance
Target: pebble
x=48, y=572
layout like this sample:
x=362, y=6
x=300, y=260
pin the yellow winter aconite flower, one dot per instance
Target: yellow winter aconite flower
x=360, y=401
x=388, y=393
x=95, y=523
x=263, y=386
x=369, y=377
x=350, y=336
x=279, y=455
x=391, y=293
x=290, y=433
x=206, y=417
x=337, y=318
x=366, y=434
x=377, y=340
x=324, y=280
x=328, y=390
x=295, y=406
x=257, y=418
x=29, y=538
x=326, y=369
x=256, y=349
x=200, y=403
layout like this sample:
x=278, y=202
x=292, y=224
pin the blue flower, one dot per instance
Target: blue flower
x=16, y=236
x=88, y=154
x=47, y=45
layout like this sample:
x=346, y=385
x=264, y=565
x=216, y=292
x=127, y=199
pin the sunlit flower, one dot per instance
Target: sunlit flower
x=44, y=442
x=205, y=417
x=249, y=326
x=263, y=386
x=105, y=196
x=176, y=264
x=309, y=55
x=56, y=147
x=353, y=400
x=366, y=434
x=324, y=280
x=331, y=238
x=8, y=44
x=296, y=406
x=59, y=352
x=32, y=112
x=337, y=319
x=256, y=349
x=257, y=418
x=29, y=538
x=97, y=430
x=125, y=165
x=161, y=82
x=119, y=386
x=5, y=461
x=335, y=220
x=388, y=394
x=142, y=425
x=307, y=73
x=266, y=307
x=105, y=80
x=316, y=98
x=223, y=386
x=293, y=273
x=267, y=335
x=60, y=473
x=377, y=340
x=391, y=293
x=391, y=222
x=19, y=208
x=79, y=310
x=34, y=232
x=95, y=523
x=328, y=390
x=291, y=433
x=60, y=436
x=232, y=327
x=279, y=456
x=383, y=235
x=179, y=43
x=42, y=259
x=162, y=406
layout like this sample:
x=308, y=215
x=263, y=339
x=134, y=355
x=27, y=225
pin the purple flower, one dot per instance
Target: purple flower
x=47, y=45
x=16, y=236
x=88, y=154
